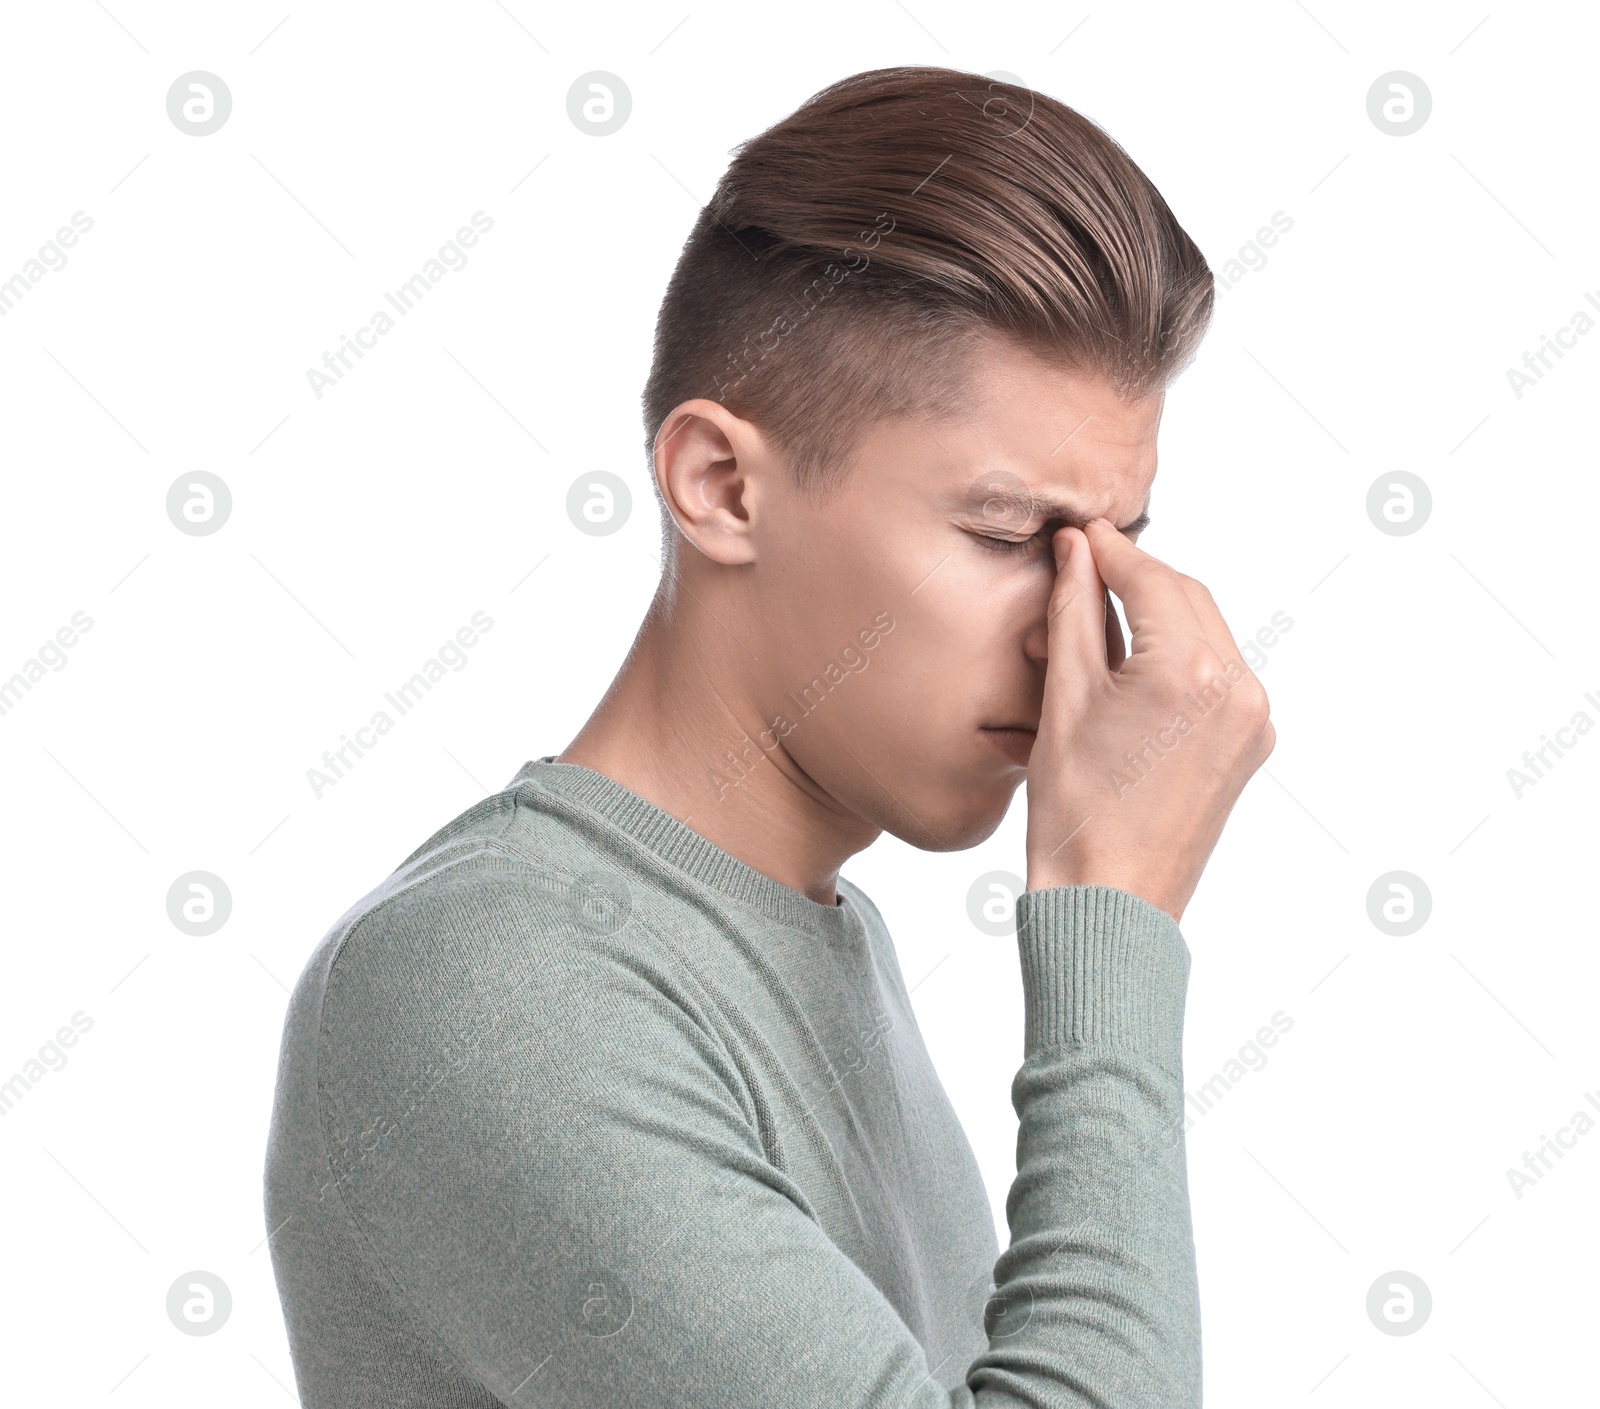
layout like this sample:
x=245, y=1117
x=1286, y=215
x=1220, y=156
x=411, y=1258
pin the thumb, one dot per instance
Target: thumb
x=1077, y=613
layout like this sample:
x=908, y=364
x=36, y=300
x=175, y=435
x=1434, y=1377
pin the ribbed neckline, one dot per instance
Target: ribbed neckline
x=679, y=845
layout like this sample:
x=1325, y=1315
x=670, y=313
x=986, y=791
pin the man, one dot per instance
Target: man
x=613, y=1094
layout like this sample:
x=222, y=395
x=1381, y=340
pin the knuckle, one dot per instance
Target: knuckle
x=1203, y=671
x=1251, y=696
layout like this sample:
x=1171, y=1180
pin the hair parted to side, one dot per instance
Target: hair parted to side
x=854, y=254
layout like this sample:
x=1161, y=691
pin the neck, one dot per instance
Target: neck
x=684, y=729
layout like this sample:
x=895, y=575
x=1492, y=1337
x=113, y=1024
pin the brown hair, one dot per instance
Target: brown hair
x=854, y=253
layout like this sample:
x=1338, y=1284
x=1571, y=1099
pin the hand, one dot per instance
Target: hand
x=1138, y=761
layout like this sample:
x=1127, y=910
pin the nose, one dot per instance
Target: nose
x=1036, y=639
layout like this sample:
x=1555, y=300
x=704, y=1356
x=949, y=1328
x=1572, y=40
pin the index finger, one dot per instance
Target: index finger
x=1152, y=593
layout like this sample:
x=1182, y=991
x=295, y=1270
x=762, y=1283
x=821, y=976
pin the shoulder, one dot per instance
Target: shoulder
x=484, y=929
x=493, y=948
x=496, y=1001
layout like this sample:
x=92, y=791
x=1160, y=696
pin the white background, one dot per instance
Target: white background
x=370, y=524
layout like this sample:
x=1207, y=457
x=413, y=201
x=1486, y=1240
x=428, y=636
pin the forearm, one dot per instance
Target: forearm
x=1097, y=1297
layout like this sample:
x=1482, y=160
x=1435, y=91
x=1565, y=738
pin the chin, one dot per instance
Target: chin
x=958, y=819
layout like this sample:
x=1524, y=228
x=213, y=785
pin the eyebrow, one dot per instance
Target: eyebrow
x=1054, y=511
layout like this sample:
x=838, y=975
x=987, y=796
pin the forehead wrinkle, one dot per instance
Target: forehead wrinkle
x=1026, y=505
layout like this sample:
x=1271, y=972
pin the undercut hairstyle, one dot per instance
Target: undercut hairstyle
x=856, y=254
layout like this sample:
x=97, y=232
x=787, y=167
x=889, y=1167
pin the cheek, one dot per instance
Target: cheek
x=1001, y=604
x=953, y=637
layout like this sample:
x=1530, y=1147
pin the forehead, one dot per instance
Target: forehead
x=1028, y=438
x=1069, y=438
x=1023, y=442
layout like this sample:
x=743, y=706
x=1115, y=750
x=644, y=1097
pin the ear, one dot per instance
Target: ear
x=712, y=468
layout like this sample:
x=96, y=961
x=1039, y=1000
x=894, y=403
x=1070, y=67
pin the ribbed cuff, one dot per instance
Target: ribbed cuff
x=1103, y=966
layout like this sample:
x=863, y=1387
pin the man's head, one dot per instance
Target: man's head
x=922, y=317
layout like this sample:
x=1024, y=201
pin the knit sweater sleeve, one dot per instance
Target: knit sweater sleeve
x=580, y=1207
x=1097, y=1292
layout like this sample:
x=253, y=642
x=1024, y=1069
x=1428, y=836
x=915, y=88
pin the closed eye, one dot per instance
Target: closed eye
x=1012, y=545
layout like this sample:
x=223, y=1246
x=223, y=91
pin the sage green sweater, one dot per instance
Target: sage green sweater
x=576, y=1109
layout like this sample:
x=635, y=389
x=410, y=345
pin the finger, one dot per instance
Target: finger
x=1153, y=597
x=1077, y=630
x=1211, y=621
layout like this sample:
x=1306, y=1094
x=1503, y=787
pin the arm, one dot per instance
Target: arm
x=1100, y=1272
x=582, y=1210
